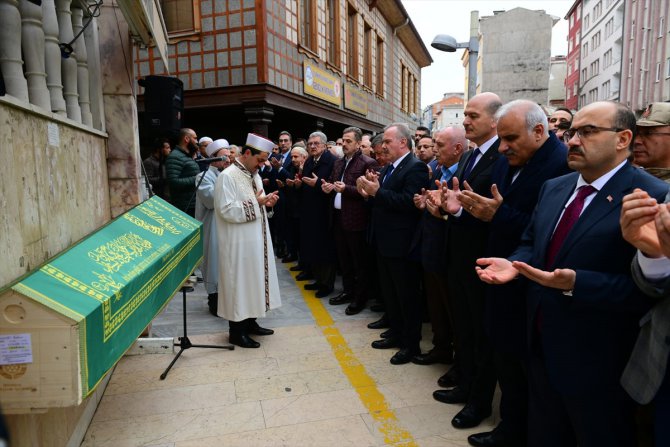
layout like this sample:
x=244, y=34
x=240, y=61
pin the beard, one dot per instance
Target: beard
x=192, y=148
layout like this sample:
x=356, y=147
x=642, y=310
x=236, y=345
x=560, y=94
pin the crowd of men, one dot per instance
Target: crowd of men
x=538, y=246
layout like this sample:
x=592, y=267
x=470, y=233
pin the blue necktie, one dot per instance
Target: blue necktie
x=471, y=163
x=388, y=173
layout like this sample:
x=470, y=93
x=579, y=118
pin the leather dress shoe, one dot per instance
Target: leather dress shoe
x=431, y=357
x=403, y=356
x=323, y=292
x=353, y=308
x=495, y=438
x=243, y=341
x=258, y=330
x=304, y=276
x=453, y=396
x=312, y=286
x=387, y=333
x=448, y=379
x=386, y=343
x=382, y=323
x=289, y=258
x=377, y=307
x=342, y=298
x=297, y=268
x=470, y=416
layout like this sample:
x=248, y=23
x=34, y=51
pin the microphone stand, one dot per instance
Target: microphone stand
x=184, y=341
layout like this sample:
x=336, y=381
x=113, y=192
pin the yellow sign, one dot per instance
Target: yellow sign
x=322, y=84
x=355, y=99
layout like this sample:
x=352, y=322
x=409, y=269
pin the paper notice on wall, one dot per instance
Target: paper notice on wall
x=15, y=348
x=53, y=134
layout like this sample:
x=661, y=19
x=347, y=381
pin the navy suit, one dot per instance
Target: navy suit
x=580, y=343
x=505, y=311
x=393, y=223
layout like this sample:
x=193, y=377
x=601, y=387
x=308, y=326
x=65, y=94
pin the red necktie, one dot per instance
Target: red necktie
x=568, y=220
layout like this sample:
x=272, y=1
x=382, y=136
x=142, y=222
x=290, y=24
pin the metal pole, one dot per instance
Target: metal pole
x=473, y=52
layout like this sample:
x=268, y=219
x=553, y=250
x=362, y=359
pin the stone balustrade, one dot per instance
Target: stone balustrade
x=36, y=63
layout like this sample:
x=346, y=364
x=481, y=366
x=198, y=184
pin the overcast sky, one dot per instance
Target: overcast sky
x=432, y=17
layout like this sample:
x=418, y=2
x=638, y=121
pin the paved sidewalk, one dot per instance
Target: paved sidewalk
x=315, y=382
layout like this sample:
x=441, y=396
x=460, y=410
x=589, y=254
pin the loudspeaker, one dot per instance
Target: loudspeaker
x=163, y=106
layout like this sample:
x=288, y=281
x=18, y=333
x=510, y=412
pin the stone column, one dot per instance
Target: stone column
x=259, y=117
x=120, y=102
x=82, y=67
x=68, y=64
x=32, y=39
x=11, y=63
x=52, y=59
x=92, y=40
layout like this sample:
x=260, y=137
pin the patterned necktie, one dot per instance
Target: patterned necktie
x=471, y=163
x=388, y=173
x=568, y=220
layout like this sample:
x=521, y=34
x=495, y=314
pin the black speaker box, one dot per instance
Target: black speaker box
x=163, y=106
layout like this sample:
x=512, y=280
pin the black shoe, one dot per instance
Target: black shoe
x=258, y=330
x=199, y=278
x=297, y=268
x=289, y=258
x=495, y=438
x=213, y=303
x=377, y=307
x=382, y=323
x=312, y=286
x=243, y=341
x=353, y=308
x=453, y=396
x=431, y=357
x=449, y=379
x=342, y=298
x=403, y=356
x=386, y=343
x=387, y=333
x=323, y=292
x=470, y=416
x=304, y=276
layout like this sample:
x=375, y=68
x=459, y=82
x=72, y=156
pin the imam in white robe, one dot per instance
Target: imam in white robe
x=248, y=285
x=204, y=212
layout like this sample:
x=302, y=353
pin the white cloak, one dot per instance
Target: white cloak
x=204, y=212
x=248, y=284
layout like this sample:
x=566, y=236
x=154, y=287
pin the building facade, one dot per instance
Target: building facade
x=645, y=74
x=447, y=112
x=573, y=60
x=298, y=65
x=557, y=74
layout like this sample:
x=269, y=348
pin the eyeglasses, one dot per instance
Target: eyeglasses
x=587, y=131
x=644, y=133
x=284, y=141
x=314, y=143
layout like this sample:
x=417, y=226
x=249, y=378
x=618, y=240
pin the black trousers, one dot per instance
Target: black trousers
x=399, y=281
x=512, y=373
x=437, y=300
x=598, y=419
x=353, y=254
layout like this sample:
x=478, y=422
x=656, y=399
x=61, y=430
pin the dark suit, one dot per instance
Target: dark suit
x=350, y=223
x=393, y=223
x=466, y=241
x=580, y=343
x=505, y=311
x=317, y=247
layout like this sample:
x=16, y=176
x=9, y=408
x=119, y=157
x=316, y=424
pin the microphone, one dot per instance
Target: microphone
x=211, y=160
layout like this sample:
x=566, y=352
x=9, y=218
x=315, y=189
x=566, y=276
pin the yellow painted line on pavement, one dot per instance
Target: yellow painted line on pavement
x=364, y=385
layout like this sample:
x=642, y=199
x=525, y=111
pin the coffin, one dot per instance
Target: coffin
x=66, y=324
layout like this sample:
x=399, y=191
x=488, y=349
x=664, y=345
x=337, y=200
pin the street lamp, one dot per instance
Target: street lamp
x=444, y=42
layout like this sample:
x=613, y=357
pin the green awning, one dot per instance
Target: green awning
x=115, y=281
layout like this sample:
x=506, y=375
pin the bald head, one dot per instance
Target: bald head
x=522, y=129
x=479, y=121
x=450, y=143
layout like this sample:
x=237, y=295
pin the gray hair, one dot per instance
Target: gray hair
x=403, y=130
x=457, y=136
x=377, y=140
x=533, y=113
x=322, y=136
x=299, y=149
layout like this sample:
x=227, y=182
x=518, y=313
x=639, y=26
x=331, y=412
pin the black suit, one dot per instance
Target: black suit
x=466, y=241
x=505, y=313
x=393, y=223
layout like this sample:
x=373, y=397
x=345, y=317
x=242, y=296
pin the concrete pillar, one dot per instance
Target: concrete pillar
x=32, y=40
x=259, y=117
x=92, y=40
x=52, y=57
x=11, y=62
x=82, y=67
x=69, y=63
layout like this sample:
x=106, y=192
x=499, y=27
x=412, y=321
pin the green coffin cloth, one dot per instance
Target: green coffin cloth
x=115, y=281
